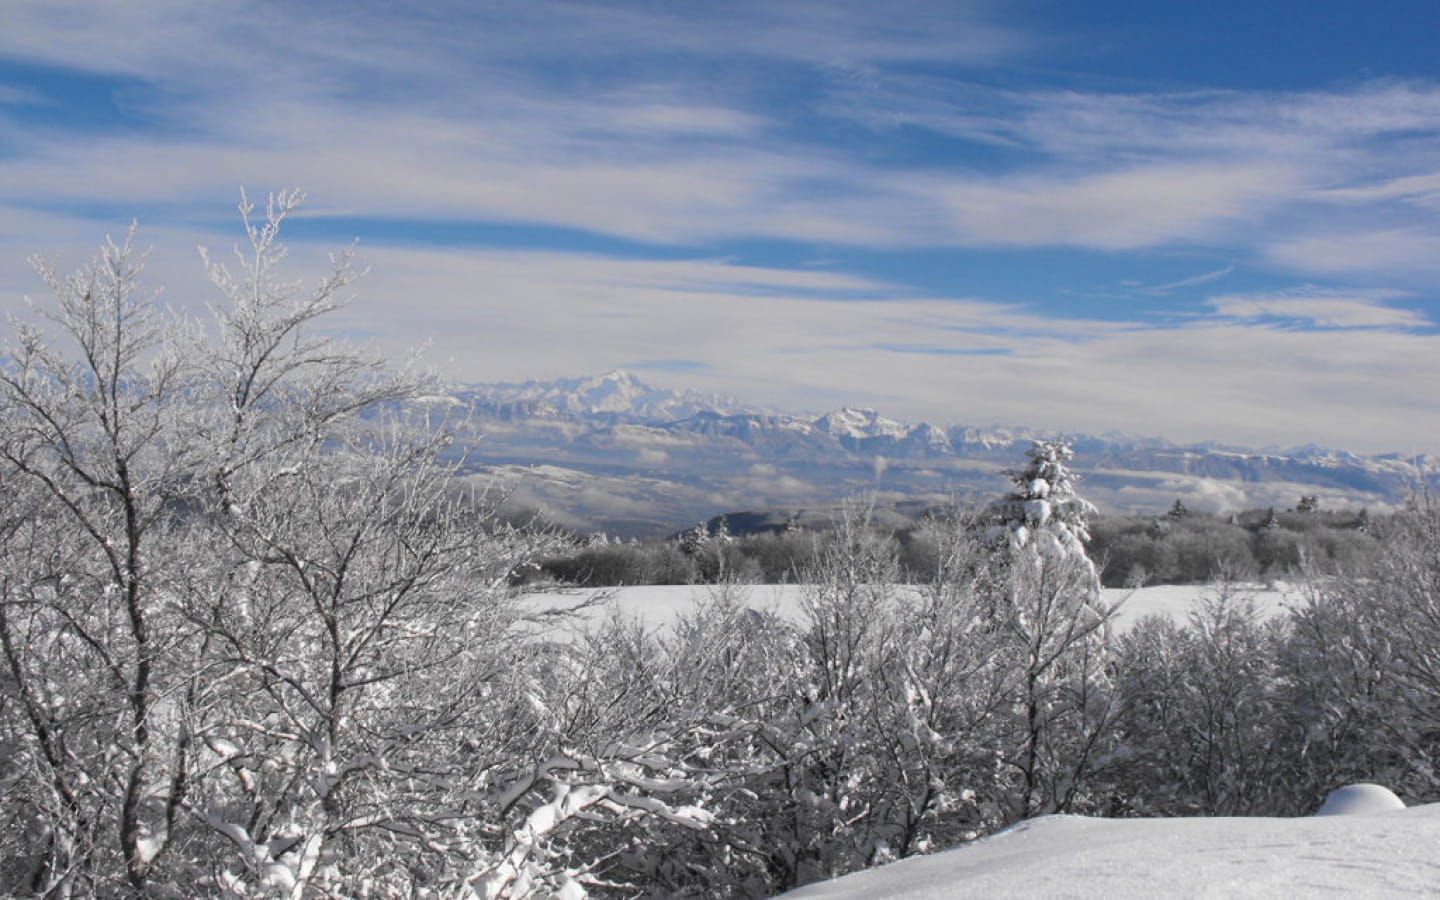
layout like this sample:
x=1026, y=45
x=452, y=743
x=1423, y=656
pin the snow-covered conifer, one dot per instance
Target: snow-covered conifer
x=1050, y=606
x=1044, y=510
x=695, y=540
x=1044, y=495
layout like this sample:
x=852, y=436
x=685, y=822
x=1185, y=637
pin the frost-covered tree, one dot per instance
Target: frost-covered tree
x=1204, y=714
x=868, y=731
x=1049, y=607
x=722, y=533
x=369, y=652
x=98, y=449
x=254, y=642
x=820, y=771
x=723, y=685
x=950, y=697
x=1043, y=499
x=695, y=540
x=1364, y=663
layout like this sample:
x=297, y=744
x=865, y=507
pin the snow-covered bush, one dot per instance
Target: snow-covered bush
x=1204, y=720
x=1364, y=664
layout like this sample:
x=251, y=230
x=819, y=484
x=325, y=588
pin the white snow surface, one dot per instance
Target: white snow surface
x=658, y=605
x=1388, y=854
x=1360, y=800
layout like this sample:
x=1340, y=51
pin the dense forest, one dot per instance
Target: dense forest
x=256, y=642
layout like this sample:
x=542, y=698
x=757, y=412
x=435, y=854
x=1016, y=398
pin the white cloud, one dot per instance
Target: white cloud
x=1140, y=207
x=1236, y=378
x=1382, y=252
x=468, y=113
x=135, y=37
x=669, y=118
x=1151, y=490
x=1236, y=169
x=1325, y=308
x=1119, y=126
x=1209, y=495
x=1193, y=281
x=1421, y=190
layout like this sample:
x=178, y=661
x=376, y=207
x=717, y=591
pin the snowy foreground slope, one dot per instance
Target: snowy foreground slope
x=1386, y=854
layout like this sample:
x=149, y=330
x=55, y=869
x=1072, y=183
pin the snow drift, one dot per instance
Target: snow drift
x=1352, y=851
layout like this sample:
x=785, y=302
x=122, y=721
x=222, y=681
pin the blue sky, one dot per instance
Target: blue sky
x=1196, y=220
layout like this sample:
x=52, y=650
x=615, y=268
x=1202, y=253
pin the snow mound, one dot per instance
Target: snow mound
x=1074, y=856
x=1360, y=800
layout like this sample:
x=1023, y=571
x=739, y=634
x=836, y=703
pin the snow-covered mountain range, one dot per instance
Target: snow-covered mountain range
x=610, y=452
x=617, y=396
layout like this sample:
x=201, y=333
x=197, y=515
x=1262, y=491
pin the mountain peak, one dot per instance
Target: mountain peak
x=859, y=422
x=619, y=376
x=616, y=394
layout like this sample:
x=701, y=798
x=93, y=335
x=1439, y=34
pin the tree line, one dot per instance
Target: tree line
x=1177, y=547
x=257, y=643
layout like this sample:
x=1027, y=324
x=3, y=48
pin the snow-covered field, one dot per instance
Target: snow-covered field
x=1175, y=601
x=1385, y=854
x=657, y=606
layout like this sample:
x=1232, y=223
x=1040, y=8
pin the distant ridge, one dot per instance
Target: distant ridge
x=611, y=452
x=616, y=395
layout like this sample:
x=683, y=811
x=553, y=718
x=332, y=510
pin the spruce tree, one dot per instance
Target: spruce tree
x=1044, y=499
x=1052, y=610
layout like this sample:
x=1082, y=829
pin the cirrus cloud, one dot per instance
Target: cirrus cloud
x=1323, y=308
